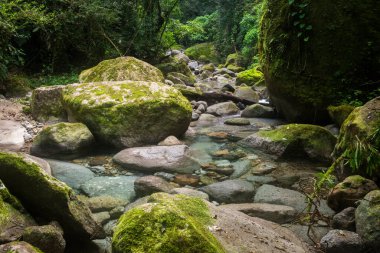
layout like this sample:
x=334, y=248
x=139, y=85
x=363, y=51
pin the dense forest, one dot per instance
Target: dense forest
x=192, y=126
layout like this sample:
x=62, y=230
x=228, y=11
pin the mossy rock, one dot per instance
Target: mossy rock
x=63, y=140
x=172, y=64
x=168, y=224
x=235, y=68
x=17, y=85
x=339, y=114
x=235, y=59
x=209, y=67
x=130, y=113
x=48, y=198
x=306, y=70
x=190, y=93
x=179, y=78
x=19, y=247
x=362, y=124
x=249, y=77
x=48, y=238
x=204, y=52
x=122, y=69
x=294, y=140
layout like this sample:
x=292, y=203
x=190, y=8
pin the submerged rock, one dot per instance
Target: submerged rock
x=157, y=158
x=63, y=140
x=237, y=122
x=47, y=197
x=129, y=110
x=294, y=140
x=122, y=69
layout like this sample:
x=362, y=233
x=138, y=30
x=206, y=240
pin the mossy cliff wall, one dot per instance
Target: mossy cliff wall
x=313, y=51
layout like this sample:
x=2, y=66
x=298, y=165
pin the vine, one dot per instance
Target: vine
x=299, y=19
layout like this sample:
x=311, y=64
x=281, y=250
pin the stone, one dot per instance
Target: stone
x=294, y=140
x=63, y=140
x=150, y=184
x=104, y=203
x=48, y=198
x=367, y=216
x=204, y=52
x=241, y=167
x=316, y=232
x=172, y=64
x=122, y=69
x=223, y=109
x=157, y=158
x=179, y=78
x=344, y=220
x=249, y=77
x=170, y=141
x=186, y=179
x=258, y=111
x=280, y=196
x=275, y=213
x=230, y=191
x=18, y=247
x=190, y=192
x=48, y=238
x=261, y=179
x=248, y=94
x=207, y=120
x=73, y=175
x=11, y=135
x=264, y=168
x=121, y=187
x=47, y=104
x=341, y=241
x=340, y=113
x=130, y=109
x=193, y=65
x=348, y=192
x=237, y=122
x=102, y=217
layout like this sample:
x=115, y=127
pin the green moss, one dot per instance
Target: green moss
x=205, y=52
x=209, y=67
x=249, y=77
x=121, y=69
x=235, y=68
x=173, y=64
x=17, y=85
x=235, y=59
x=189, y=92
x=340, y=113
x=179, y=78
x=169, y=224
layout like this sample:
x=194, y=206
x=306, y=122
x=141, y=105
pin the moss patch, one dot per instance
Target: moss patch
x=249, y=77
x=204, y=52
x=169, y=224
x=340, y=113
x=173, y=64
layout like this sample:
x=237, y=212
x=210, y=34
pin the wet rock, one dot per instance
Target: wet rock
x=18, y=247
x=240, y=168
x=264, y=168
x=344, y=220
x=121, y=187
x=190, y=192
x=220, y=170
x=157, y=158
x=316, y=233
x=207, y=120
x=165, y=175
x=248, y=94
x=11, y=135
x=150, y=184
x=170, y=141
x=230, y=191
x=195, y=116
x=276, y=213
x=348, y=192
x=340, y=113
x=102, y=217
x=72, y=174
x=218, y=135
x=341, y=241
x=104, y=203
x=258, y=111
x=222, y=109
x=186, y=179
x=47, y=238
x=237, y=122
x=261, y=179
x=367, y=216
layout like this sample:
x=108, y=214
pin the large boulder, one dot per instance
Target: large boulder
x=157, y=158
x=184, y=224
x=339, y=114
x=309, y=59
x=46, y=197
x=222, y=109
x=122, y=69
x=249, y=77
x=294, y=140
x=129, y=113
x=348, y=192
x=204, y=52
x=47, y=104
x=173, y=64
x=362, y=124
x=367, y=217
x=248, y=94
x=63, y=140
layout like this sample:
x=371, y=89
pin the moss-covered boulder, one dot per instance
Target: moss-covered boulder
x=63, y=140
x=19, y=247
x=311, y=52
x=167, y=224
x=48, y=198
x=367, y=217
x=339, y=114
x=247, y=93
x=362, y=124
x=130, y=113
x=348, y=192
x=171, y=65
x=47, y=105
x=192, y=93
x=249, y=77
x=122, y=69
x=179, y=78
x=235, y=59
x=16, y=85
x=294, y=140
x=204, y=52
x=209, y=67
x=48, y=238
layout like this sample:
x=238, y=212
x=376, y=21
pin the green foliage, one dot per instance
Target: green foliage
x=298, y=16
x=51, y=80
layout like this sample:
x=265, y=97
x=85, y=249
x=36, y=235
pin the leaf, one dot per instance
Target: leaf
x=302, y=16
x=296, y=23
x=309, y=27
x=306, y=39
x=302, y=26
x=291, y=2
x=299, y=34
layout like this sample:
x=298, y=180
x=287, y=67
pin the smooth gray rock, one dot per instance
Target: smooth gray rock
x=222, y=109
x=11, y=135
x=316, y=233
x=73, y=175
x=207, y=120
x=344, y=220
x=341, y=241
x=230, y=191
x=247, y=93
x=261, y=179
x=121, y=187
x=258, y=111
x=241, y=167
x=150, y=184
x=190, y=192
x=281, y=196
x=157, y=158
